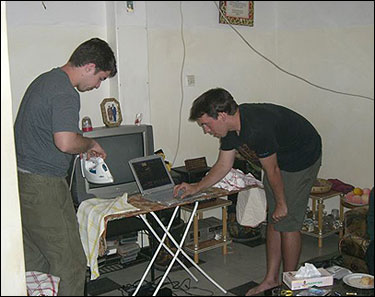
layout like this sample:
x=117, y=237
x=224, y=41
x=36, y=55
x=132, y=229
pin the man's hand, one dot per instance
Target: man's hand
x=96, y=151
x=185, y=189
x=271, y=168
x=280, y=212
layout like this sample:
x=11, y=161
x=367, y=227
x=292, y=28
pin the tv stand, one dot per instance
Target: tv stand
x=116, y=228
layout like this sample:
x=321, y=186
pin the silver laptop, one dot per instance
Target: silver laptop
x=154, y=180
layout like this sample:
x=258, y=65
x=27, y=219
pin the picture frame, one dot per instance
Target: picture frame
x=236, y=13
x=111, y=112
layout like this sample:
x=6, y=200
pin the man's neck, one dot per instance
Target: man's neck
x=235, y=122
x=72, y=73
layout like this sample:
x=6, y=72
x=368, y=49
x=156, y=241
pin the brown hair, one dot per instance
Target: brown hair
x=211, y=103
x=95, y=51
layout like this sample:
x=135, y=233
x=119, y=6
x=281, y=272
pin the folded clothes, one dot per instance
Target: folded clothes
x=339, y=186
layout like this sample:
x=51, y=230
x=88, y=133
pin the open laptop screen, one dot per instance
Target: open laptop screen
x=151, y=173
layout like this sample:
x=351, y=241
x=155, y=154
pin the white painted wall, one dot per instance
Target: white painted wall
x=131, y=30
x=12, y=264
x=41, y=39
x=330, y=43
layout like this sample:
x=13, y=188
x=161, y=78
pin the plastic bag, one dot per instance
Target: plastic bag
x=251, y=208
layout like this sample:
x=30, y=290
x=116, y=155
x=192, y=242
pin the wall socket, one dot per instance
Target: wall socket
x=190, y=80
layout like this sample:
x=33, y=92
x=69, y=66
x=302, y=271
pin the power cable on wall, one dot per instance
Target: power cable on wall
x=257, y=52
x=281, y=69
x=181, y=85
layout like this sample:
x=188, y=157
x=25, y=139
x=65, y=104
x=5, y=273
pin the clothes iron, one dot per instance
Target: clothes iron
x=95, y=170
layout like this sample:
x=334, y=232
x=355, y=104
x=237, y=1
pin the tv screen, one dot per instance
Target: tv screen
x=119, y=148
x=121, y=144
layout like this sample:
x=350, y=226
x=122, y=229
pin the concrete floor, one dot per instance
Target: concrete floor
x=241, y=265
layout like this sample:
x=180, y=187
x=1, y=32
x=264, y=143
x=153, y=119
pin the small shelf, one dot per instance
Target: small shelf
x=111, y=263
x=199, y=247
x=206, y=245
x=325, y=234
x=319, y=232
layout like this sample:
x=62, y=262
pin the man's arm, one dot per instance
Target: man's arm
x=222, y=166
x=272, y=170
x=74, y=143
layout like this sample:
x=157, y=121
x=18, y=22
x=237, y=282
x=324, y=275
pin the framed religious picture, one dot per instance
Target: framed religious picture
x=236, y=13
x=111, y=112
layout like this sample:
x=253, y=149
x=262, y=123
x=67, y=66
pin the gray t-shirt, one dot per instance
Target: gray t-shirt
x=50, y=104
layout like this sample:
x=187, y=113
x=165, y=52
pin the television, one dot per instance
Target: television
x=121, y=144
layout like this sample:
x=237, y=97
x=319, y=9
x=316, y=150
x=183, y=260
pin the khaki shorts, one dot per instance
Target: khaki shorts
x=297, y=188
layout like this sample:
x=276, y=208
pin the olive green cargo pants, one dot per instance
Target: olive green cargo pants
x=52, y=243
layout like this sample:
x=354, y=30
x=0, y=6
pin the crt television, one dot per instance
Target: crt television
x=121, y=144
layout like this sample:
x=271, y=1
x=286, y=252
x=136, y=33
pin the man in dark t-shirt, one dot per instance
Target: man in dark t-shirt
x=269, y=131
x=289, y=150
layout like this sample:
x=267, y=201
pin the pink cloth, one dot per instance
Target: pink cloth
x=339, y=186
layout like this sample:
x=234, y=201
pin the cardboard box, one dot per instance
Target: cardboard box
x=325, y=279
x=192, y=176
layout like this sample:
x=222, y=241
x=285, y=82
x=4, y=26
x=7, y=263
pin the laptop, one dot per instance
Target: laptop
x=154, y=180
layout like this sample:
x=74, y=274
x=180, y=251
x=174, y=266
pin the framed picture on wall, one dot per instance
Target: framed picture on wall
x=111, y=112
x=236, y=13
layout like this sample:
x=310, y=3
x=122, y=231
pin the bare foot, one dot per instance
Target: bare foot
x=265, y=285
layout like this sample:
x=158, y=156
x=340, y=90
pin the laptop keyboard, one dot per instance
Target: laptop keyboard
x=166, y=197
x=160, y=196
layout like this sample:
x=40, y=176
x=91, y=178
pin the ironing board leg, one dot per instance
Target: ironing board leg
x=158, y=249
x=168, y=249
x=179, y=249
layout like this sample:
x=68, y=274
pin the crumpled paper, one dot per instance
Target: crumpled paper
x=309, y=270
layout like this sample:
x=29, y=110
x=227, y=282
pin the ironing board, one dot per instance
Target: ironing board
x=146, y=207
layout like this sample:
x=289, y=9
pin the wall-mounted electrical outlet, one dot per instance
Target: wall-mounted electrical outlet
x=190, y=80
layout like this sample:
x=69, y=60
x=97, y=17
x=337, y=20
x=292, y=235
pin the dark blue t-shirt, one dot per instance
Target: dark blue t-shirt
x=269, y=128
x=51, y=104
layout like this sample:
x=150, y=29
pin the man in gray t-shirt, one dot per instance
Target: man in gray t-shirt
x=50, y=105
x=47, y=136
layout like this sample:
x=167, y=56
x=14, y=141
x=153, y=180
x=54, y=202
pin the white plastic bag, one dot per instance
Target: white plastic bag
x=251, y=207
